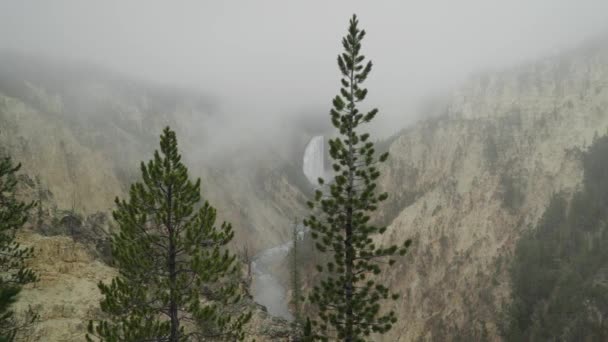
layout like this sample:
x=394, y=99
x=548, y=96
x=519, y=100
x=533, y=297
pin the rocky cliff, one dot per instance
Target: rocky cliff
x=466, y=184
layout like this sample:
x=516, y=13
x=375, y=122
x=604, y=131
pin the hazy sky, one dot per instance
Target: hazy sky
x=266, y=58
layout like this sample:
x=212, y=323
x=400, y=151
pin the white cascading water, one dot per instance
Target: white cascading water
x=314, y=155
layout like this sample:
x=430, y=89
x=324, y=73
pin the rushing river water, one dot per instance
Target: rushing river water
x=267, y=289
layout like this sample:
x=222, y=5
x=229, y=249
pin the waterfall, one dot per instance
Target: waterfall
x=314, y=155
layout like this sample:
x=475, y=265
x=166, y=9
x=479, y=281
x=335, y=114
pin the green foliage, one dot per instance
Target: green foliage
x=307, y=334
x=176, y=280
x=560, y=270
x=348, y=299
x=8, y=296
x=13, y=270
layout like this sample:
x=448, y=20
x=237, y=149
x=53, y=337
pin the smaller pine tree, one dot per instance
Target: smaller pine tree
x=177, y=281
x=296, y=282
x=13, y=270
x=307, y=335
x=8, y=296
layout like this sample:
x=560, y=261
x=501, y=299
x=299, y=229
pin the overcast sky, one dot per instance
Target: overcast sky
x=278, y=56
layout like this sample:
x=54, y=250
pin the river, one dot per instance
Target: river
x=266, y=287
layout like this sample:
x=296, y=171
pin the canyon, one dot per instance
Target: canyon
x=463, y=184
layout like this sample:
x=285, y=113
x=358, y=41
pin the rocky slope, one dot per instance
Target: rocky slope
x=80, y=134
x=465, y=185
x=67, y=297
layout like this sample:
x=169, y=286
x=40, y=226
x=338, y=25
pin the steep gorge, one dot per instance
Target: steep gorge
x=463, y=186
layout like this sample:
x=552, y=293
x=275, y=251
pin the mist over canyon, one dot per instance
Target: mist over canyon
x=494, y=117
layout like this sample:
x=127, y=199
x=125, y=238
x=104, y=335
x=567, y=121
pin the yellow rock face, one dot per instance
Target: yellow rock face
x=66, y=297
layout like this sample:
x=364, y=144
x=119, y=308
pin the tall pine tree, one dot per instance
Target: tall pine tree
x=13, y=270
x=348, y=298
x=176, y=277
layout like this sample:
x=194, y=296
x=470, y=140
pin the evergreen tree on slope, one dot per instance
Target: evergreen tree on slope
x=296, y=283
x=13, y=271
x=175, y=273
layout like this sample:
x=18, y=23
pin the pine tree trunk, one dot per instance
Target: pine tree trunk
x=349, y=276
x=296, y=275
x=297, y=321
x=348, y=242
x=174, y=337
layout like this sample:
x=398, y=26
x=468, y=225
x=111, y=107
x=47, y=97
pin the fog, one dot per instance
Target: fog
x=269, y=62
